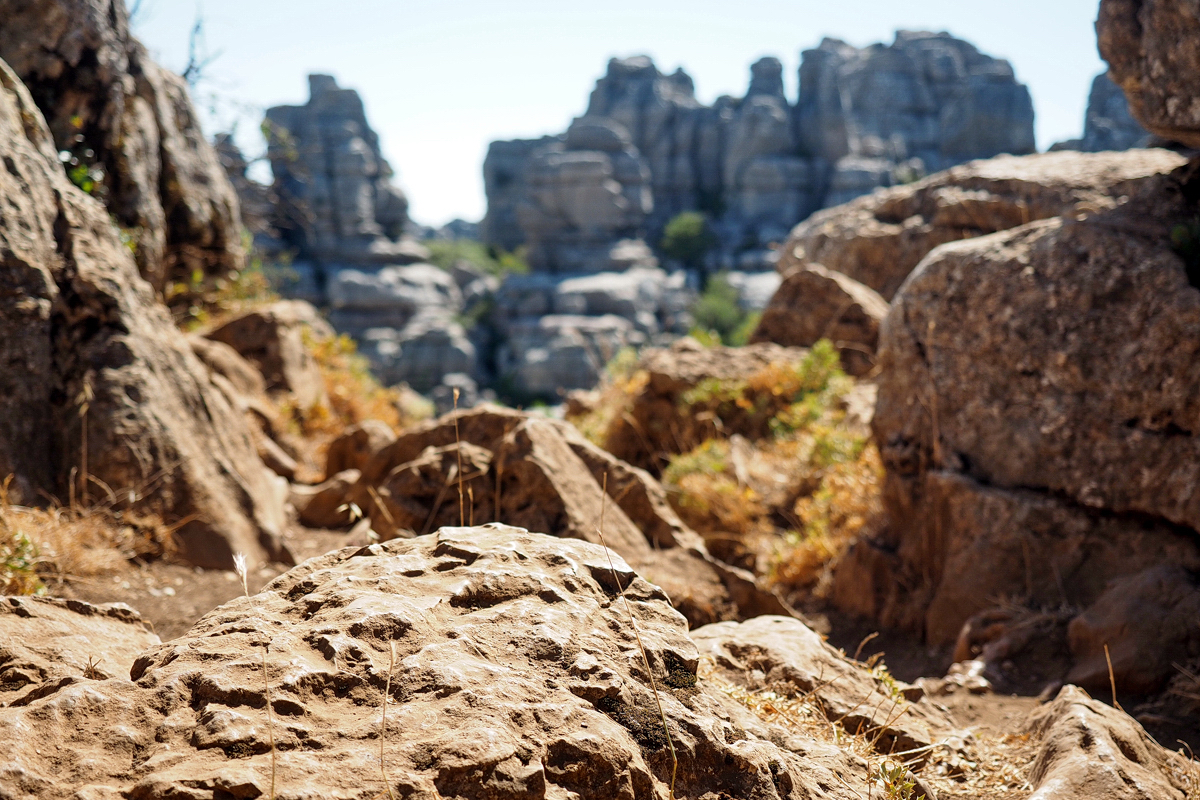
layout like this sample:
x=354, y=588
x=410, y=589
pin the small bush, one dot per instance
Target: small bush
x=688, y=238
x=445, y=253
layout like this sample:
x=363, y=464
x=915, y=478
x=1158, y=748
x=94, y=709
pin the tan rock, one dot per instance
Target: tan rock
x=326, y=505
x=878, y=239
x=162, y=181
x=516, y=673
x=272, y=338
x=814, y=303
x=222, y=359
x=354, y=448
x=78, y=323
x=46, y=644
x=1153, y=53
x=1088, y=750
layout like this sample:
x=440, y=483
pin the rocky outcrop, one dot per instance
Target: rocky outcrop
x=1107, y=123
x=1151, y=55
x=336, y=203
x=541, y=474
x=131, y=133
x=473, y=663
x=877, y=240
x=98, y=381
x=646, y=149
x=1036, y=416
x=47, y=644
x=814, y=303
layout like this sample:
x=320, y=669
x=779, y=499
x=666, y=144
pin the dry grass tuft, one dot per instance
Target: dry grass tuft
x=41, y=546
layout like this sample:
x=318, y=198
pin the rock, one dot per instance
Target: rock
x=646, y=149
x=512, y=670
x=1087, y=749
x=391, y=296
x=1107, y=123
x=1148, y=622
x=273, y=339
x=227, y=362
x=276, y=458
x=815, y=303
x=131, y=125
x=337, y=205
x=457, y=390
x=356, y=445
x=1151, y=55
x=877, y=240
x=782, y=654
x=326, y=505
x=755, y=289
x=549, y=356
x=1035, y=413
x=51, y=643
x=539, y=473
x=76, y=322
x=658, y=425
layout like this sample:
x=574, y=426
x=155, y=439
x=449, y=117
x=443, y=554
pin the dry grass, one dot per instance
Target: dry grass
x=46, y=546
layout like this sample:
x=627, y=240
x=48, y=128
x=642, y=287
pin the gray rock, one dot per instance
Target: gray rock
x=755, y=289
x=549, y=356
x=443, y=397
x=336, y=203
x=1108, y=123
x=395, y=294
x=646, y=149
x=420, y=353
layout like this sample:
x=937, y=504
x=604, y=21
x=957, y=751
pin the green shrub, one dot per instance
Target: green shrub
x=719, y=312
x=445, y=253
x=688, y=238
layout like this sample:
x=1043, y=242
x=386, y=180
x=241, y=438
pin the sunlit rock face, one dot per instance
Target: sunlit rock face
x=647, y=149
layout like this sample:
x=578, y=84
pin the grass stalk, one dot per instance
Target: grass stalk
x=462, y=515
x=637, y=635
x=239, y=566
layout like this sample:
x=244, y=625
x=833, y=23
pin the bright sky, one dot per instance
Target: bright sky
x=442, y=78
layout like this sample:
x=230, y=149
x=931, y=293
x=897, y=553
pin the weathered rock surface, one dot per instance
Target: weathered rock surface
x=47, y=644
x=646, y=149
x=1151, y=52
x=1107, y=122
x=548, y=356
x=133, y=131
x=82, y=330
x=1036, y=414
x=814, y=303
x=1088, y=749
x=272, y=338
x=326, y=505
x=508, y=666
x=354, y=448
x=541, y=474
x=877, y=240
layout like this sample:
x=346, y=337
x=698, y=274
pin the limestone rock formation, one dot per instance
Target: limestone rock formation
x=815, y=303
x=877, y=240
x=646, y=149
x=1036, y=415
x=131, y=133
x=509, y=668
x=1151, y=55
x=47, y=644
x=1107, y=122
x=98, y=379
x=336, y=202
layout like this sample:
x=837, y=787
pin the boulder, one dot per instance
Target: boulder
x=390, y=296
x=1087, y=749
x=541, y=474
x=548, y=356
x=223, y=360
x=1151, y=52
x=1107, y=122
x=475, y=662
x=1147, y=622
x=1036, y=413
x=133, y=136
x=326, y=505
x=755, y=289
x=814, y=303
x=356, y=445
x=877, y=240
x=422, y=353
x=99, y=379
x=48, y=643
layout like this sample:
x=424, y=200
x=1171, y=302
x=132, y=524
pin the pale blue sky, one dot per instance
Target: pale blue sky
x=442, y=79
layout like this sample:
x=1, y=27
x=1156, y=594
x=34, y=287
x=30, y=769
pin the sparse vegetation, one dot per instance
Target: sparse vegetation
x=688, y=238
x=490, y=260
x=719, y=317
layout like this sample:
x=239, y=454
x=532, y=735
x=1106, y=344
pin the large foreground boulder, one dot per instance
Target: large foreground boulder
x=474, y=663
x=1037, y=418
x=1150, y=47
x=542, y=474
x=878, y=239
x=101, y=393
x=132, y=133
